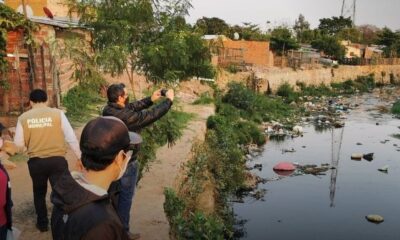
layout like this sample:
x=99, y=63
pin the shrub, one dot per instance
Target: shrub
x=396, y=107
x=82, y=99
x=204, y=98
x=166, y=130
x=285, y=90
x=194, y=226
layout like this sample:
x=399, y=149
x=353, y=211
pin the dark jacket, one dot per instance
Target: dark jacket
x=136, y=115
x=9, y=202
x=81, y=214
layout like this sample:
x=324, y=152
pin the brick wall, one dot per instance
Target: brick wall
x=254, y=52
x=52, y=71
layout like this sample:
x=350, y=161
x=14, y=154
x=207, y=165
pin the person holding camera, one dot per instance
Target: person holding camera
x=136, y=115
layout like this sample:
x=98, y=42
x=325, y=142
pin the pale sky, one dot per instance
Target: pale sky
x=377, y=12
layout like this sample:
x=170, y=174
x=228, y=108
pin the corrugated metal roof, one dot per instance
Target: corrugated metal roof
x=57, y=22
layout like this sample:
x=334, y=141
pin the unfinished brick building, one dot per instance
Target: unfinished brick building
x=45, y=67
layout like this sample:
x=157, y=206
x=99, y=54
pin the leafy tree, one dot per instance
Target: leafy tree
x=302, y=29
x=282, y=40
x=369, y=34
x=212, y=25
x=248, y=31
x=334, y=25
x=186, y=53
x=352, y=34
x=129, y=35
x=391, y=40
x=331, y=47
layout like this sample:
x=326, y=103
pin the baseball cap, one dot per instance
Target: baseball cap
x=106, y=136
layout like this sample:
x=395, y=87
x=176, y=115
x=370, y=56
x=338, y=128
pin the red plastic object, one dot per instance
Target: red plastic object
x=284, y=173
x=48, y=13
x=284, y=166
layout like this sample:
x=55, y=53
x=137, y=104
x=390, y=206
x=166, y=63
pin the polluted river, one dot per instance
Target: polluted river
x=332, y=203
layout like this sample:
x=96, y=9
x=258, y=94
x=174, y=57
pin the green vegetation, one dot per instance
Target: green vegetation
x=220, y=161
x=282, y=40
x=150, y=37
x=167, y=130
x=330, y=45
x=396, y=135
x=10, y=21
x=204, y=98
x=195, y=225
x=254, y=107
x=396, y=108
x=83, y=101
x=360, y=84
x=391, y=41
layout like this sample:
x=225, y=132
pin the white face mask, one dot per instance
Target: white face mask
x=123, y=169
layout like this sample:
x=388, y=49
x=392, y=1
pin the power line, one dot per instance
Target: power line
x=349, y=10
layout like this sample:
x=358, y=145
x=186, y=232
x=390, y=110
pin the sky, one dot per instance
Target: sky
x=376, y=12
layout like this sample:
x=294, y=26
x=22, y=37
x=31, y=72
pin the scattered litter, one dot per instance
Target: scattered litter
x=284, y=166
x=356, y=156
x=288, y=150
x=314, y=169
x=369, y=156
x=384, y=168
x=374, y=218
x=258, y=167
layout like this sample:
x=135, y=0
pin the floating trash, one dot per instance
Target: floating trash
x=374, y=218
x=356, y=156
x=369, y=156
x=384, y=168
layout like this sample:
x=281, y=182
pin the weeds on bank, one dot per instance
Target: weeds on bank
x=220, y=160
x=360, y=84
x=166, y=130
x=396, y=108
x=204, y=98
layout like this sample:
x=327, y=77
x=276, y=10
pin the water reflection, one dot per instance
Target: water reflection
x=300, y=207
x=337, y=138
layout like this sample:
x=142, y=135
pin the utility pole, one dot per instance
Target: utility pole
x=349, y=11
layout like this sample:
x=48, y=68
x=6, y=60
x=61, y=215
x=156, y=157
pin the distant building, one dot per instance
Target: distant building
x=50, y=70
x=356, y=50
x=35, y=7
x=241, y=52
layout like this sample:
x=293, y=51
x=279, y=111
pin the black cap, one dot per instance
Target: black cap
x=105, y=136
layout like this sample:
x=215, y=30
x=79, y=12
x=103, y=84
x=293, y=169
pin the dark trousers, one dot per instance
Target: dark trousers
x=127, y=192
x=42, y=170
x=3, y=232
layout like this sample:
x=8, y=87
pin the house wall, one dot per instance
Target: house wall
x=57, y=7
x=53, y=70
x=254, y=52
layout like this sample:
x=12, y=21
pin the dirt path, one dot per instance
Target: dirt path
x=148, y=217
x=147, y=214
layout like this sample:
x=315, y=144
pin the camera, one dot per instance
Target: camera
x=163, y=92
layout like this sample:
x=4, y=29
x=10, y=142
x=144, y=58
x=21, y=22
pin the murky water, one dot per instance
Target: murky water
x=332, y=206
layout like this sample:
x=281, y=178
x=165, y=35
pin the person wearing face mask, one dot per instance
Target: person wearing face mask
x=136, y=115
x=82, y=207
